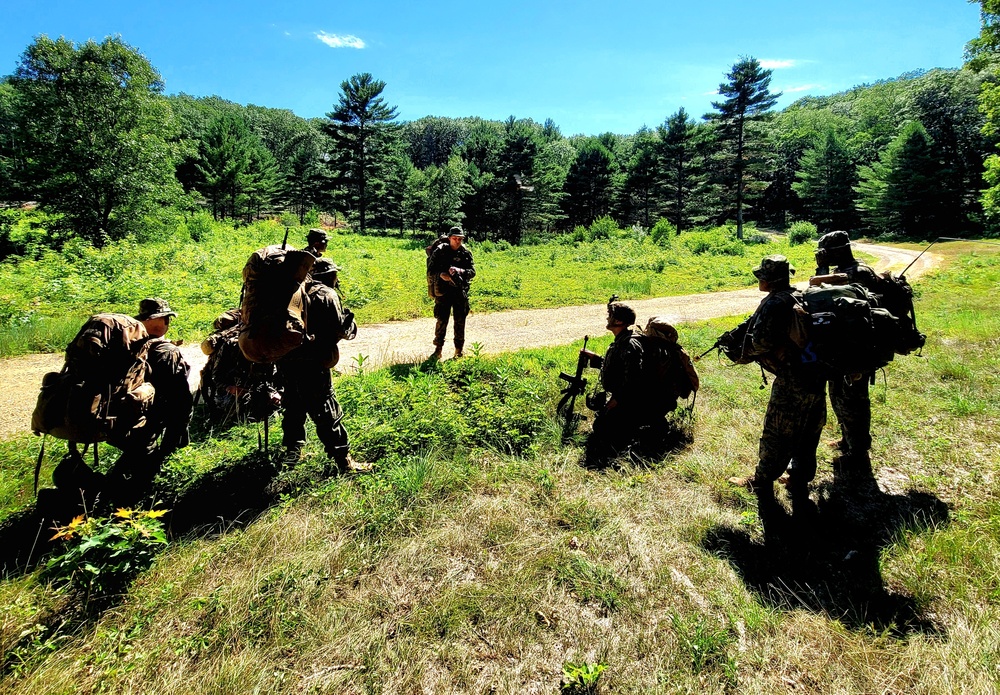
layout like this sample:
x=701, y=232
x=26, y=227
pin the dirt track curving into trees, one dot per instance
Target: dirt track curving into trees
x=410, y=341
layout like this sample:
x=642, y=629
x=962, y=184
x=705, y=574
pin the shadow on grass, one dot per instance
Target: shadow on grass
x=229, y=496
x=651, y=445
x=824, y=556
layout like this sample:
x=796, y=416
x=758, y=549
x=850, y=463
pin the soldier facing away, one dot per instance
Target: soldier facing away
x=305, y=373
x=849, y=393
x=796, y=411
x=450, y=269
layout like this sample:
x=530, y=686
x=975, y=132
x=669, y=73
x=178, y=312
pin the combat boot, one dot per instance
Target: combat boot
x=436, y=355
x=458, y=353
x=763, y=489
x=290, y=457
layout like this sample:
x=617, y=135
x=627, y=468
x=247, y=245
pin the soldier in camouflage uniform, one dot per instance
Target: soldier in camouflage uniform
x=165, y=427
x=796, y=411
x=450, y=269
x=626, y=408
x=305, y=374
x=849, y=393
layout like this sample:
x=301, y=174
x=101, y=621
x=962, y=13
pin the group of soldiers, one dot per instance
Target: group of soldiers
x=795, y=417
x=796, y=411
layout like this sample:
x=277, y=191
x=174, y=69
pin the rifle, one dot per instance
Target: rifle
x=576, y=385
x=729, y=341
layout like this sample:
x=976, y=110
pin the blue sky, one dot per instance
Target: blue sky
x=590, y=66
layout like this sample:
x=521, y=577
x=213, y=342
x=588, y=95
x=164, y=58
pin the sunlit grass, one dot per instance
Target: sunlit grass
x=459, y=567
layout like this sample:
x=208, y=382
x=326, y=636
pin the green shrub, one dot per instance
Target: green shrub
x=663, y=232
x=719, y=241
x=581, y=678
x=104, y=554
x=755, y=239
x=602, y=228
x=800, y=232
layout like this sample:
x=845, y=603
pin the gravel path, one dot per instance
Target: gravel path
x=410, y=341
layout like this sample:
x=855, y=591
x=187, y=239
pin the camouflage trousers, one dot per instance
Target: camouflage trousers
x=793, y=424
x=309, y=391
x=853, y=408
x=453, y=302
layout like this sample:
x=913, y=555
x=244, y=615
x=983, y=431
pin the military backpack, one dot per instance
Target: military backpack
x=670, y=368
x=103, y=391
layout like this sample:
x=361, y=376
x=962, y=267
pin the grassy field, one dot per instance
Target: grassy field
x=481, y=556
x=198, y=269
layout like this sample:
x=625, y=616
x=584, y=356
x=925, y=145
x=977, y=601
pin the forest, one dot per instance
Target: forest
x=92, y=147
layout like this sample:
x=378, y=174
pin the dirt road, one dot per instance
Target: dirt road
x=410, y=341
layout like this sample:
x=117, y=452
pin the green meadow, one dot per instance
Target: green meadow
x=197, y=265
x=482, y=556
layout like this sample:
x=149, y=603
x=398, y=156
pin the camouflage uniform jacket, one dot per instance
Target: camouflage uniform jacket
x=622, y=367
x=769, y=340
x=328, y=323
x=444, y=258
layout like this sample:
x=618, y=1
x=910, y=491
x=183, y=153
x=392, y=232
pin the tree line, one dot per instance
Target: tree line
x=87, y=132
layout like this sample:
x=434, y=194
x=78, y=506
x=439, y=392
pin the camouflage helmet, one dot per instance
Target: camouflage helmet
x=154, y=308
x=457, y=231
x=774, y=269
x=621, y=313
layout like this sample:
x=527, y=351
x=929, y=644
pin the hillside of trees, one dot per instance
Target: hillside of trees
x=88, y=135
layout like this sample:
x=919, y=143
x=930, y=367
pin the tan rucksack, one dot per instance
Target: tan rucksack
x=672, y=370
x=102, y=392
x=273, y=306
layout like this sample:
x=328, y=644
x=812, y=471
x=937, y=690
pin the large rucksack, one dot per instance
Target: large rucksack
x=841, y=329
x=894, y=294
x=102, y=392
x=671, y=371
x=273, y=303
x=438, y=243
x=232, y=386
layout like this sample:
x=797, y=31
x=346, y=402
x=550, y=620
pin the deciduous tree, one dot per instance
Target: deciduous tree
x=94, y=130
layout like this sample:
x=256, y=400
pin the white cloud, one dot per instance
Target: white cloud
x=338, y=41
x=777, y=64
x=803, y=88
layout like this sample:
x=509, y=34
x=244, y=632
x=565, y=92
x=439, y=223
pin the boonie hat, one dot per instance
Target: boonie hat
x=317, y=234
x=773, y=268
x=834, y=240
x=154, y=308
x=323, y=267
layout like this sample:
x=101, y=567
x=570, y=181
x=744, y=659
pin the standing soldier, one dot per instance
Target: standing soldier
x=796, y=411
x=305, y=373
x=849, y=393
x=450, y=270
